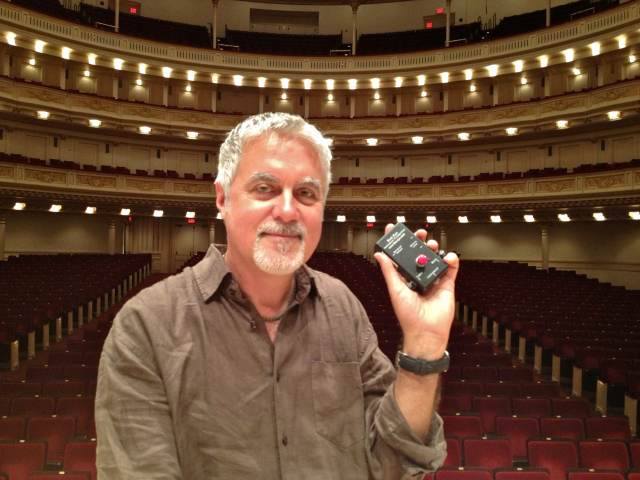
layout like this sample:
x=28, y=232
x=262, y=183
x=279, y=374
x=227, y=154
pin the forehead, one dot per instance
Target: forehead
x=280, y=154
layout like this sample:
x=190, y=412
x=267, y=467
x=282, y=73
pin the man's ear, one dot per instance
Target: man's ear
x=220, y=198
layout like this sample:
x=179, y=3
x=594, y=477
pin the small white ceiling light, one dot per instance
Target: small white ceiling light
x=529, y=218
x=398, y=81
x=496, y=219
x=144, y=130
x=91, y=58
x=43, y=114
x=523, y=80
x=422, y=80
x=307, y=82
x=599, y=216
x=191, y=75
x=372, y=142
x=371, y=218
x=562, y=124
x=219, y=216
x=330, y=97
x=376, y=96
x=401, y=219
x=634, y=215
x=237, y=80
x=341, y=218
x=595, y=48
x=65, y=53
x=284, y=82
x=331, y=83
x=262, y=82
x=190, y=214
x=472, y=88
x=139, y=82
x=32, y=61
x=432, y=219
x=39, y=46
x=191, y=135
x=576, y=71
x=353, y=83
x=622, y=41
x=492, y=69
x=215, y=77
x=22, y=206
x=464, y=136
x=544, y=60
x=444, y=77
x=468, y=73
x=55, y=208
x=95, y=123
x=283, y=96
x=142, y=68
x=463, y=219
x=423, y=93
x=118, y=63
x=125, y=211
x=511, y=131
x=166, y=72
x=564, y=217
x=632, y=58
x=87, y=73
x=158, y=213
x=569, y=54
x=11, y=38
x=375, y=83
x=90, y=210
x=518, y=66
x=614, y=115
x=417, y=139
x=188, y=88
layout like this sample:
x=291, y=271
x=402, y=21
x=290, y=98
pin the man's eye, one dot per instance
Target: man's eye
x=307, y=193
x=263, y=188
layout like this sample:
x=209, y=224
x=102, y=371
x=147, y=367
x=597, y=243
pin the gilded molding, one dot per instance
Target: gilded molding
x=459, y=190
x=145, y=186
x=637, y=178
x=337, y=192
x=369, y=192
x=96, y=181
x=562, y=104
x=192, y=188
x=7, y=172
x=556, y=186
x=602, y=182
x=508, y=189
x=45, y=176
x=414, y=192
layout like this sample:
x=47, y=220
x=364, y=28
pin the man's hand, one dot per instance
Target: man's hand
x=426, y=318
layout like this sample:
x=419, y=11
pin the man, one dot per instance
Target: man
x=252, y=365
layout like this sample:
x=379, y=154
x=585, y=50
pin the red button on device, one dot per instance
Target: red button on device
x=421, y=260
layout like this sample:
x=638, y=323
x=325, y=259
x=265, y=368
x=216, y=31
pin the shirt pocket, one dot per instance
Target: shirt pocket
x=338, y=402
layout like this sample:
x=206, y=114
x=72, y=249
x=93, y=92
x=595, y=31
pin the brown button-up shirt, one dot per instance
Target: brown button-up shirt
x=191, y=387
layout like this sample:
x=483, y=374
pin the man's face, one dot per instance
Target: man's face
x=273, y=214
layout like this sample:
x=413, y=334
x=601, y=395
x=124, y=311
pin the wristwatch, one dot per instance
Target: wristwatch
x=420, y=366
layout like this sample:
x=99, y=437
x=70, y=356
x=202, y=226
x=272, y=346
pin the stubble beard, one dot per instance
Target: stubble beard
x=288, y=254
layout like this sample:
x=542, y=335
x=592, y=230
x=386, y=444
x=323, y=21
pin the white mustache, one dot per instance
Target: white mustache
x=277, y=228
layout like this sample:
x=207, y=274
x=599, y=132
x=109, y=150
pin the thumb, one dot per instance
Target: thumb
x=391, y=276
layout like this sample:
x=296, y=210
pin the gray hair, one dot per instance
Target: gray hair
x=257, y=125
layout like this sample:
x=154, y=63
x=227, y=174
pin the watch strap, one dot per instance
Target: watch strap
x=420, y=366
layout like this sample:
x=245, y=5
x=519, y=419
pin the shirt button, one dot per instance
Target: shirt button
x=285, y=440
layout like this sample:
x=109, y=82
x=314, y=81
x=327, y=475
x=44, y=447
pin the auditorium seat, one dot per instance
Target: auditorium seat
x=18, y=460
x=452, y=404
x=570, y=407
x=536, y=407
x=62, y=475
x=462, y=426
x=634, y=449
x=12, y=429
x=521, y=474
x=31, y=406
x=489, y=408
x=460, y=473
x=55, y=431
x=505, y=389
x=63, y=388
x=487, y=453
x=81, y=407
x=21, y=388
x=608, y=428
x=81, y=457
x=557, y=456
x=608, y=455
x=515, y=374
x=454, y=453
x=593, y=475
x=519, y=430
x=568, y=428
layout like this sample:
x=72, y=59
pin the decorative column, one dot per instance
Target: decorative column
x=212, y=232
x=3, y=231
x=350, y=238
x=117, y=15
x=63, y=76
x=352, y=106
x=214, y=24
x=261, y=102
x=398, y=104
x=443, y=239
x=6, y=64
x=114, y=88
x=544, y=243
x=165, y=94
x=548, y=22
x=112, y=237
x=354, y=25
x=214, y=99
x=447, y=12
x=306, y=106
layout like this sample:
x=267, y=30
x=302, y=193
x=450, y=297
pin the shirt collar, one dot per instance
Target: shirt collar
x=211, y=275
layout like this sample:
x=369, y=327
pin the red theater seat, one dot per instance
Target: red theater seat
x=489, y=408
x=634, y=449
x=487, y=453
x=532, y=407
x=18, y=460
x=586, y=475
x=608, y=455
x=63, y=475
x=569, y=428
x=521, y=474
x=608, y=428
x=463, y=474
x=31, y=406
x=81, y=457
x=454, y=453
x=570, y=407
x=55, y=431
x=12, y=429
x=557, y=456
x=462, y=426
x=80, y=407
x=519, y=430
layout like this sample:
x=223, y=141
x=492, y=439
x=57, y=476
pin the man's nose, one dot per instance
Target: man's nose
x=286, y=208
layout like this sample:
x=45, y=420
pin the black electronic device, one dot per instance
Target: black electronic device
x=416, y=262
